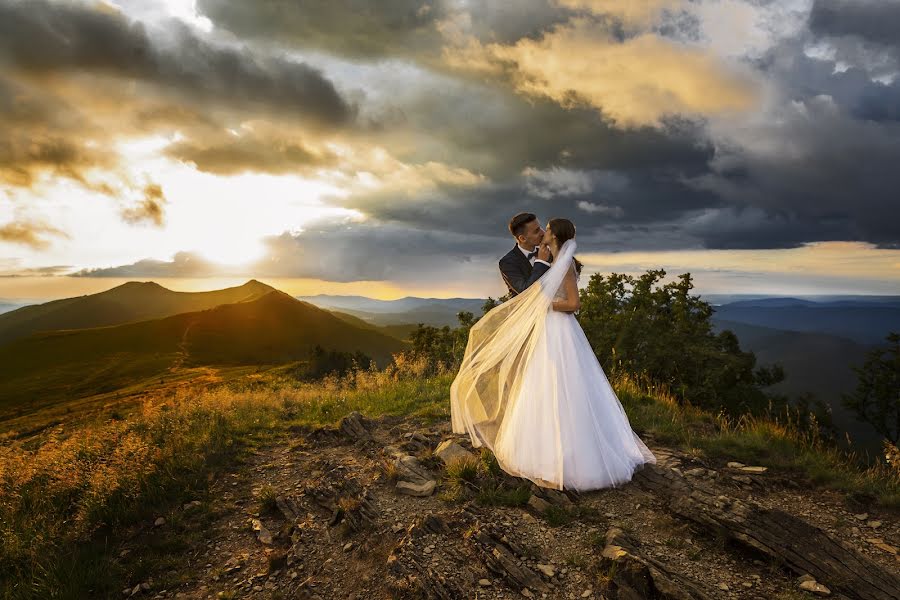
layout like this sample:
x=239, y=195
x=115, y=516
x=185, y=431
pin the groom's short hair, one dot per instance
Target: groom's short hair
x=517, y=223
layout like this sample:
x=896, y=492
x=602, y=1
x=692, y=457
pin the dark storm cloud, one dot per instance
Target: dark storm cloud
x=873, y=20
x=377, y=250
x=373, y=30
x=63, y=104
x=823, y=167
x=350, y=27
x=642, y=198
x=40, y=38
x=842, y=187
x=499, y=133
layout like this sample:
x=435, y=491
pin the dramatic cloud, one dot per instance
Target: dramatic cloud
x=40, y=38
x=149, y=209
x=655, y=125
x=873, y=20
x=29, y=234
x=75, y=78
x=638, y=81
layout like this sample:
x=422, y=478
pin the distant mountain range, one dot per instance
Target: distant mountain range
x=132, y=301
x=865, y=322
x=817, y=363
x=720, y=299
x=410, y=310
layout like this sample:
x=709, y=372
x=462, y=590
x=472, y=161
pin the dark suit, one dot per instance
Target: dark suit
x=517, y=271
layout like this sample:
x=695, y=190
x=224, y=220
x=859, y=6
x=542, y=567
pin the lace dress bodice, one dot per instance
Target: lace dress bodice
x=561, y=292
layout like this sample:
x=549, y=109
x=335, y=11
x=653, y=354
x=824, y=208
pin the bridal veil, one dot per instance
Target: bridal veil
x=500, y=346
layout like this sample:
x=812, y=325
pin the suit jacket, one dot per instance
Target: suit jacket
x=517, y=271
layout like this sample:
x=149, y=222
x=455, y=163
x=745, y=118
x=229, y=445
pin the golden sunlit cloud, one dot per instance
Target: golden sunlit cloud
x=634, y=82
x=29, y=234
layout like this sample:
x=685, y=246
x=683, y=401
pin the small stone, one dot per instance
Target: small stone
x=724, y=587
x=396, y=527
x=538, y=504
x=484, y=582
x=159, y=522
x=416, y=489
x=861, y=516
x=586, y=593
x=805, y=577
x=547, y=570
x=736, y=465
x=697, y=472
x=874, y=524
x=262, y=534
x=348, y=546
x=449, y=451
x=816, y=588
x=527, y=593
x=754, y=469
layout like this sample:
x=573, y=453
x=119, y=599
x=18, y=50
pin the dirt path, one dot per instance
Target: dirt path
x=341, y=529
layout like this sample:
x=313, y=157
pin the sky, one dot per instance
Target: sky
x=380, y=148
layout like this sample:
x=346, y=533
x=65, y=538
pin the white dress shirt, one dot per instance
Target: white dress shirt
x=534, y=258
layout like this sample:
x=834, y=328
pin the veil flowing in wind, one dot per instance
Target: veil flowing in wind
x=500, y=346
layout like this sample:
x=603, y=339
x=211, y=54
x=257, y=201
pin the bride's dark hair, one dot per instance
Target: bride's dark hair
x=564, y=230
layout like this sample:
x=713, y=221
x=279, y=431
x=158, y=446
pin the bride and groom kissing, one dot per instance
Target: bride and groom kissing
x=530, y=387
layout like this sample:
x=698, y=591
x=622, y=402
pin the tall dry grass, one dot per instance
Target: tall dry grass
x=80, y=487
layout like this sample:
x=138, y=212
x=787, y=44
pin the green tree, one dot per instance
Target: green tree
x=323, y=362
x=637, y=326
x=876, y=399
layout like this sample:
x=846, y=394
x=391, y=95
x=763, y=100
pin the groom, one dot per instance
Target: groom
x=529, y=259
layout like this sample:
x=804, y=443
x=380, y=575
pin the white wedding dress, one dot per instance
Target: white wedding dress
x=531, y=389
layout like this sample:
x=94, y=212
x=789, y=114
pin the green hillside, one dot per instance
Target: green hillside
x=49, y=367
x=129, y=302
x=401, y=332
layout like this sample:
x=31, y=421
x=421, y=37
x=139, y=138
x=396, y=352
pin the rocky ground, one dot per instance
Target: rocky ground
x=381, y=509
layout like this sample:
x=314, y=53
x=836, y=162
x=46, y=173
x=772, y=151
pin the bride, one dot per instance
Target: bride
x=531, y=389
